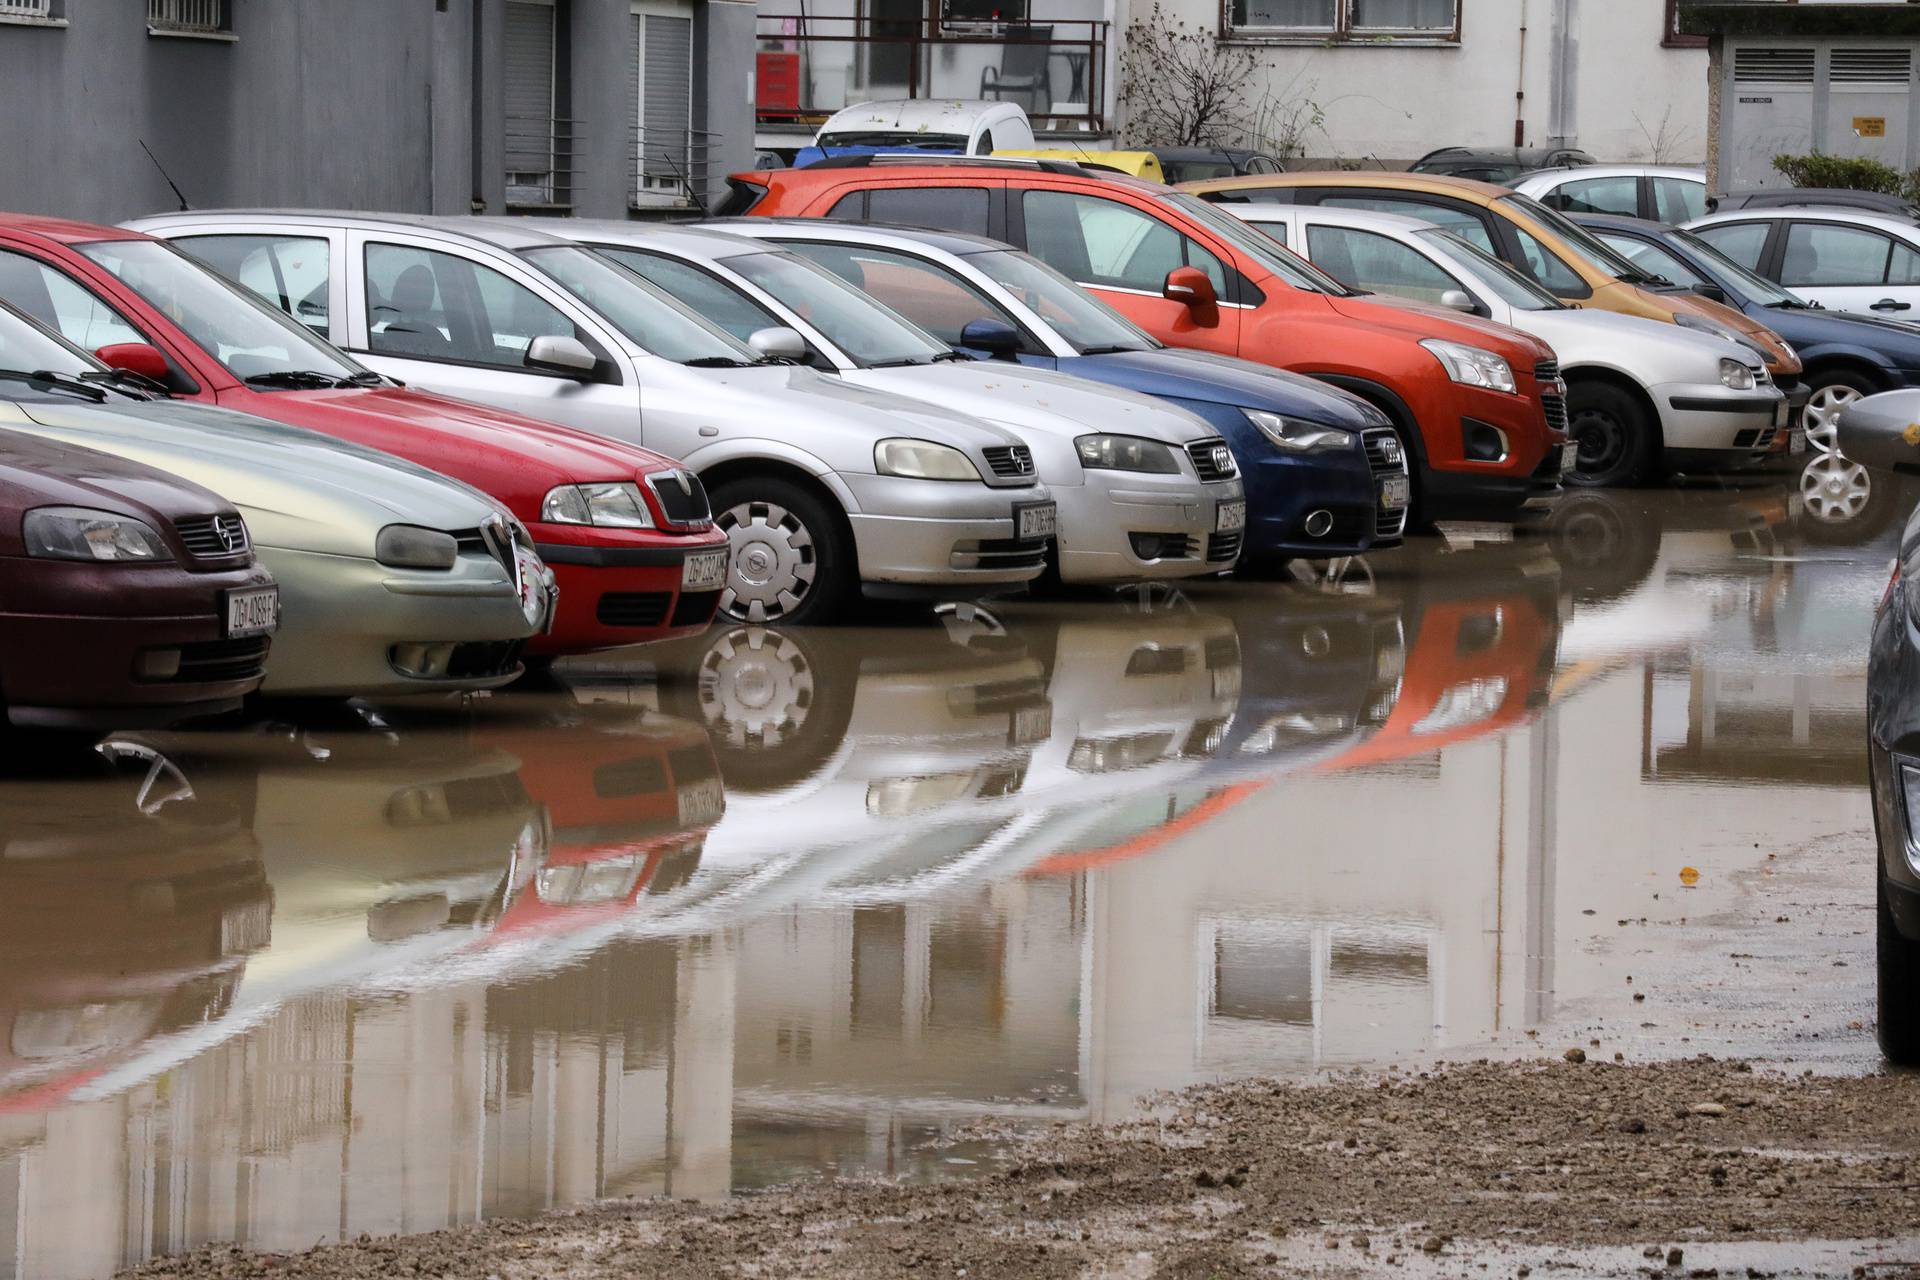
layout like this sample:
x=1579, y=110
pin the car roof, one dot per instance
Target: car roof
x=923, y=167
x=1584, y=171
x=958, y=243
x=1501, y=154
x=680, y=236
x=1366, y=218
x=915, y=114
x=506, y=233
x=1617, y=222
x=1435, y=183
x=1851, y=215
x=65, y=230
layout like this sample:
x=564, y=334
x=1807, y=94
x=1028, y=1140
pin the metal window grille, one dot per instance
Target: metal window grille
x=26, y=8
x=187, y=15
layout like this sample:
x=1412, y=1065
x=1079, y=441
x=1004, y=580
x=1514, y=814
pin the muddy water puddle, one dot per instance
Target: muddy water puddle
x=768, y=904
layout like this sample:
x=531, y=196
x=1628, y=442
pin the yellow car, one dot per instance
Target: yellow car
x=1140, y=164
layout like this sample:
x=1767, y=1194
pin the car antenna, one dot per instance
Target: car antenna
x=678, y=172
x=184, y=207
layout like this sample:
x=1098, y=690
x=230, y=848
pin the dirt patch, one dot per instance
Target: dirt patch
x=1576, y=1168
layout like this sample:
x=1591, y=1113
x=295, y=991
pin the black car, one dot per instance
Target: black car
x=1824, y=197
x=1191, y=164
x=1893, y=767
x=1846, y=356
x=1499, y=165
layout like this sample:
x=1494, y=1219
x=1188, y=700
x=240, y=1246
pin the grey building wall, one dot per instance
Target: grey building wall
x=359, y=104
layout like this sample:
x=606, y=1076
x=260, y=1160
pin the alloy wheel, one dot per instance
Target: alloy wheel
x=774, y=560
x=1821, y=417
x=1835, y=488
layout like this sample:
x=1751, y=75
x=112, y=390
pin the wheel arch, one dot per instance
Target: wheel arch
x=759, y=466
x=1599, y=374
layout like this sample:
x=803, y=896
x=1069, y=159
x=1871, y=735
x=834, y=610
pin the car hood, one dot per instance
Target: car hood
x=1207, y=378
x=1779, y=356
x=41, y=472
x=1419, y=320
x=1037, y=400
x=297, y=489
x=1659, y=350
x=1898, y=340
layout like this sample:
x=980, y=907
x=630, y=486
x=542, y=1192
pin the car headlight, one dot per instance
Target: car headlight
x=1736, y=376
x=1706, y=324
x=81, y=533
x=1472, y=365
x=1300, y=437
x=1910, y=792
x=408, y=546
x=1125, y=453
x=612, y=505
x=922, y=460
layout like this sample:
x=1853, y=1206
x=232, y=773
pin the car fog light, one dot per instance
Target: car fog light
x=1484, y=443
x=421, y=661
x=157, y=664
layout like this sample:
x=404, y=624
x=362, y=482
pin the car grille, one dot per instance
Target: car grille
x=481, y=659
x=1212, y=460
x=1389, y=524
x=1377, y=441
x=1224, y=548
x=202, y=536
x=1547, y=374
x=633, y=608
x=1009, y=461
x=1000, y=553
x=694, y=608
x=1760, y=438
x=686, y=507
x=221, y=661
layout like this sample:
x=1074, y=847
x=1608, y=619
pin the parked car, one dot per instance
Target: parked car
x=1663, y=192
x=1140, y=164
x=1479, y=404
x=1190, y=164
x=1877, y=431
x=626, y=532
x=1520, y=231
x=936, y=126
x=1641, y=397
x=1324, y=470
x=821, y=487
x=1845, y=356
x=391, y=579
x=1893, y=768
x=1825, y=197
x=1145, y=490
x=126, y=596
x=1499, y=165
x=1847, y=259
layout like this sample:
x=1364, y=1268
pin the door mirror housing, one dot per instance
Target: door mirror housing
x=142, y=358
x=557, y=354
x=778, y=343
x=1459, y=300
x=1190, y=286
x=1000, y=340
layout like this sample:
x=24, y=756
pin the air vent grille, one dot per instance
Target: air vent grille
x=1773, y=66
x=1870, y=66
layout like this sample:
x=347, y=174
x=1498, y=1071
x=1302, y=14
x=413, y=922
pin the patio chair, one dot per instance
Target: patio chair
x=1023, y=70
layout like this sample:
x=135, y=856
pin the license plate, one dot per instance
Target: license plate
x=1228, y=517
x=1780, y=412
x=1036, y=520
x=1569, y=457
x=1797, y=442
x=701, y=803
x=704, y=571
x=1031, y=724
x=1395, y=493
x=246, y=929
x=252, y=611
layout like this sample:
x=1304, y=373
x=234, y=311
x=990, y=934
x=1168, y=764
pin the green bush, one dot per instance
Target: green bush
x=1848, y=172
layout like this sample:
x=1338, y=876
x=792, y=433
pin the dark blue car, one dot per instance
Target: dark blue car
x=1324, y=471
x=1846, y=356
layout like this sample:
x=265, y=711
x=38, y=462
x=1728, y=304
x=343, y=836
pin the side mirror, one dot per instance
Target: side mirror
x=556, y=354
x=1459, y=300
x=1000, y=340
x=779, y=343
x=135, y=357
x=1710, y=291
x=1190, y=285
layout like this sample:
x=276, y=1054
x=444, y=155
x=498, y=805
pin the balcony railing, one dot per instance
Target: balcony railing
x=810, y=67
x=26, y=8
x=671, y=168
x=199, y=16
x=540, y=162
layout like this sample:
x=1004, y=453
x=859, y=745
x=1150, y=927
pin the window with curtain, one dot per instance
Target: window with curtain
x=1371, y=20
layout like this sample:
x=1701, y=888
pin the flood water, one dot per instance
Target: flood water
x=774, y=904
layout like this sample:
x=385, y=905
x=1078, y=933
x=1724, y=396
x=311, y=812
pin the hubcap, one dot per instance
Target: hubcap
x=1834, y=488
x=1821, y=417
x=773, y=562
x=756, y=688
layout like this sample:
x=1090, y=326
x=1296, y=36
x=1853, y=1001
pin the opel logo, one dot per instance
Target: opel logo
x=232, y=534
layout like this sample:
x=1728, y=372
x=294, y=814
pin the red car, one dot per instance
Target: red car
x=626, y=530
x=127, y=596
x=1481, y=404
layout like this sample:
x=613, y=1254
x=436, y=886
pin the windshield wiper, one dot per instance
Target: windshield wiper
x=904, y=362
x=364, y=378
x=715, y=362
x=295, y=379
x=1111, y=349
x=127, y=382
x=953, y=355
x=46, y=377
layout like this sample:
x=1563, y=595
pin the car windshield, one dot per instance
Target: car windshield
x=1495, y=276
x=25, y=347
x=903, y=141
x=1259, y=246
x=1577, y=238
x=1759, y=288
x=1088, y=324
x=251, y=339
x=872, y=334
x=646, y=314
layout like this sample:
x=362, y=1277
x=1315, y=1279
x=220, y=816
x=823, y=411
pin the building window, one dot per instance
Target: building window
x=48, y=12
x=187, y=17
x=1670, y=35
x=1343, y=20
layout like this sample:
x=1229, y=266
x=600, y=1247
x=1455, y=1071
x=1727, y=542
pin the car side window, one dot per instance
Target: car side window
x=1677, y=200
x=732, y=310
x=289, y=272
x=935, y=299
x=1198, y=255
x=1598, y=195
x=1459, y=221
x=1261, y=164
x=1820, y=253
x=941, y=208
x=62, y=304
x=1371, y=261
x=1278, y=230
x=439, y=306
x=1744, y=242
x=1652, y=259
x=1904, y=266
x=1104, y=242
x=1540, y=262
x=851, y=207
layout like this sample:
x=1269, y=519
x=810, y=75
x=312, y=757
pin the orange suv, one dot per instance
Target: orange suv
x=1481, y=405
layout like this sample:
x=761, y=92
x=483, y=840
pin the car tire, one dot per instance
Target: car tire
x=792, y=563
x=1617, y=442
x=1831, y=391
x=1898, y=980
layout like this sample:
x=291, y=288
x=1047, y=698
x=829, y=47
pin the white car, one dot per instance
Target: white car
x=1640, y=393
x=1846, y=259
x=946, y=126
x=1658, y=192
x=821, y=486
x=1145, y=489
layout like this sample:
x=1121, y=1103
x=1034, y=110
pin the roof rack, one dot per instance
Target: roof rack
x=964, y=162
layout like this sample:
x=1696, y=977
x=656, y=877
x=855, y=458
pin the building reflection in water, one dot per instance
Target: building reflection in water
x=406, y=969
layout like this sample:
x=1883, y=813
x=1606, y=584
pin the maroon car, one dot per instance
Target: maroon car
x=127, y=596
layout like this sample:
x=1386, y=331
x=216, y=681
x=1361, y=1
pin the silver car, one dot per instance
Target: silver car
x=392, y=579
x=1146, y=489
x=821, y=485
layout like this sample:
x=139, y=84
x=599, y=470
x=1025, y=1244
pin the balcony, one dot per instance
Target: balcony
x=671, y=168
x=540, y=163
x=809, y=67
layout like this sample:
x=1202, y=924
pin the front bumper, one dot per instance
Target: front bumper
x=1699, y=418
x=1454, y=485
x=939, y=535
x=1112, y=516
x=613, y=595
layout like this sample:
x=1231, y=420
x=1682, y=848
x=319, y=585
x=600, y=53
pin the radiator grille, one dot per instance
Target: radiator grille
x=1212, y=460
x=682, y=497
x=694, y=608
x=1385, y=454
x=482, y=659
x=1224, y=548
x=999, y=553
x=213, y=537
x=633, y=608
x=1010, y=461
x=1547, y=374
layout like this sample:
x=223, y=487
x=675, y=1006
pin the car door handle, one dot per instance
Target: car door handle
x=1888, y=304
